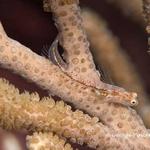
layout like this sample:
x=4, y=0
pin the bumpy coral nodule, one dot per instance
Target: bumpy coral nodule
x=46, y=141
x=26, y=111
x=46, y=115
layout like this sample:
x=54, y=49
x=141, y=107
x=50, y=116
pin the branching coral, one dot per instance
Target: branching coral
x=73, y=38
x=28, y=64
x=109, y=53
x=46, y=115
x=130, y=8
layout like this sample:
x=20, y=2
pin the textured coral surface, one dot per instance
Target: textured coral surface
x=39, y=34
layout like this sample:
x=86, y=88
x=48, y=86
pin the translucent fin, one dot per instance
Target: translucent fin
x=104, y=75
x=44, y=51
x=52, y=53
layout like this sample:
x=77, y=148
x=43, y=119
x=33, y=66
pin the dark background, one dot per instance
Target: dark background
x=25, y=21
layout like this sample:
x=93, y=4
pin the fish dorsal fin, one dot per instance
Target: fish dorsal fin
x=105, y=77
x=51, y=52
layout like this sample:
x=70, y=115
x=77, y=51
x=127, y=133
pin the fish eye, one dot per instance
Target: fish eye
x=134, y=102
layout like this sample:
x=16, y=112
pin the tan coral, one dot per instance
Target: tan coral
x=62, y=9
x=132, y=9
x=120, y=119
x=108, y=53
x=46, y=141
x=70, y=9
x=17, y=57
x=36, y=68
x=27, y=112
x=74, y=40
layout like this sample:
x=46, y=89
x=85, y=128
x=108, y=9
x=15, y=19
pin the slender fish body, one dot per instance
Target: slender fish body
x=108, y=95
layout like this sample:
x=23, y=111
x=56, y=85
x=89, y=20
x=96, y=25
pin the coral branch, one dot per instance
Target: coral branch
x=68, y=20
x=73, y=39
x=48, y=116
x=21, y=59
x=46, y=141
x=132, y=8
x=109, y=53
x=28, y=112
x=25, y=111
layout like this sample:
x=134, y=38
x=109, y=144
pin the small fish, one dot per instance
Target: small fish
x=116, y=94
x=108, y=95
x=53, y=54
